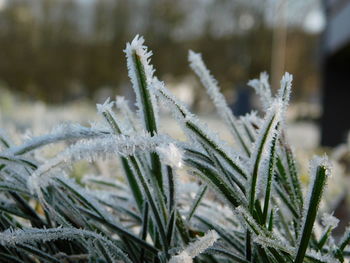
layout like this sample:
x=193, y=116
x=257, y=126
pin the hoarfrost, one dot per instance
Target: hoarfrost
x=262, y=88
x=90, y=150
x=196, y=248
x=171, y=154
x=138, y=49
x=329, y=220
x=105, y=107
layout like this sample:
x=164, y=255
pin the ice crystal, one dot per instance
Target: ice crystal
x=106, y=106
x=172, y=155
x=329, y=220
x=137, y=50
x=196, y=248
x=262, y=88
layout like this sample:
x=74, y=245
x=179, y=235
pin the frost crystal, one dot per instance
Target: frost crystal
x=262, y=88
x=286, y=86
x=90, y=150
x=65, y=131
x=329, y=220
x=196, y=248
x=137, y=49
x=172, y=155
x=211, y=85
x=208, y=81
x=182, y=258
x=105, y=107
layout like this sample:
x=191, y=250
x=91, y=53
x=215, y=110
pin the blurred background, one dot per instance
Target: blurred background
x=63, y=50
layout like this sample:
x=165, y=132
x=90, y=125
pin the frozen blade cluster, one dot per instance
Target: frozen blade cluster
x=243, y=203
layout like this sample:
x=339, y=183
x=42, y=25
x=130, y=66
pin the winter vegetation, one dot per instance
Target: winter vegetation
x=195, y=200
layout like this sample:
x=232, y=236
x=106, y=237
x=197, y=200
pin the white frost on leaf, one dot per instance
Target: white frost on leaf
x=105, y=107
x=315, y=163
x=63, y=132
x=171, y=154
x=105, y=147
x=261, y=150
x=183, y=257
x=213, y=90
x=208, y=81
x=137, y=49
x=196, y=248
x=329, y=220
x=286, y=87
x=262, y=88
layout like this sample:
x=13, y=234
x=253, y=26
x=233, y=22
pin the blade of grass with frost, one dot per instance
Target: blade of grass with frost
x=31, y=236
x=210, y=175
x=329, y=222
x=196, y=248
x=262, y=88
x=226, y=253
x=122, y=105
x=264, y=139
x=266, y=136
x=120, y=230
x=61, y=133
x=192, y=125
x=284, y=95
x=144, y=229
x=345, y=240
x=271, y=172
x=224, y=234
x=11, y=187
x=25, y=207
x=81, y=195
x=156, y=210
x=197, y=200
x=285, y=198
x=320, y=171
x=111, y=119
x=8, y=160
x=141, y=75
x=38, y=253
x=218, y=99
x=4, y=140
x=108, y=146
x=295, y=182
x=339, y=252
x=230, y=177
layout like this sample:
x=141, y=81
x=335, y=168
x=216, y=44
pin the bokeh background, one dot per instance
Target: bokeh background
x=63, y=50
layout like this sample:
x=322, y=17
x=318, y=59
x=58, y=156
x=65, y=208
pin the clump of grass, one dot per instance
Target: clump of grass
x=259, y=213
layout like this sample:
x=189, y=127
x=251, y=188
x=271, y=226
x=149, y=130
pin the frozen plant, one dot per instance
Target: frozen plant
x=242, y=204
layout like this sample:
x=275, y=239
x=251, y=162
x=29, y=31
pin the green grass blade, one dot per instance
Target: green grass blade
x=141, y=75
x=271, y=173
x=197, y=200
x=209, y=175
x=212, y=88
x=316, y=188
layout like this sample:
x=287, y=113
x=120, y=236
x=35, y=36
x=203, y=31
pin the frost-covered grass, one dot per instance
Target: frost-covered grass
x=243, y=203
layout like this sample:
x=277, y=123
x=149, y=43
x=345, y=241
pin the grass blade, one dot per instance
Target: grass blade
x=320, y=168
